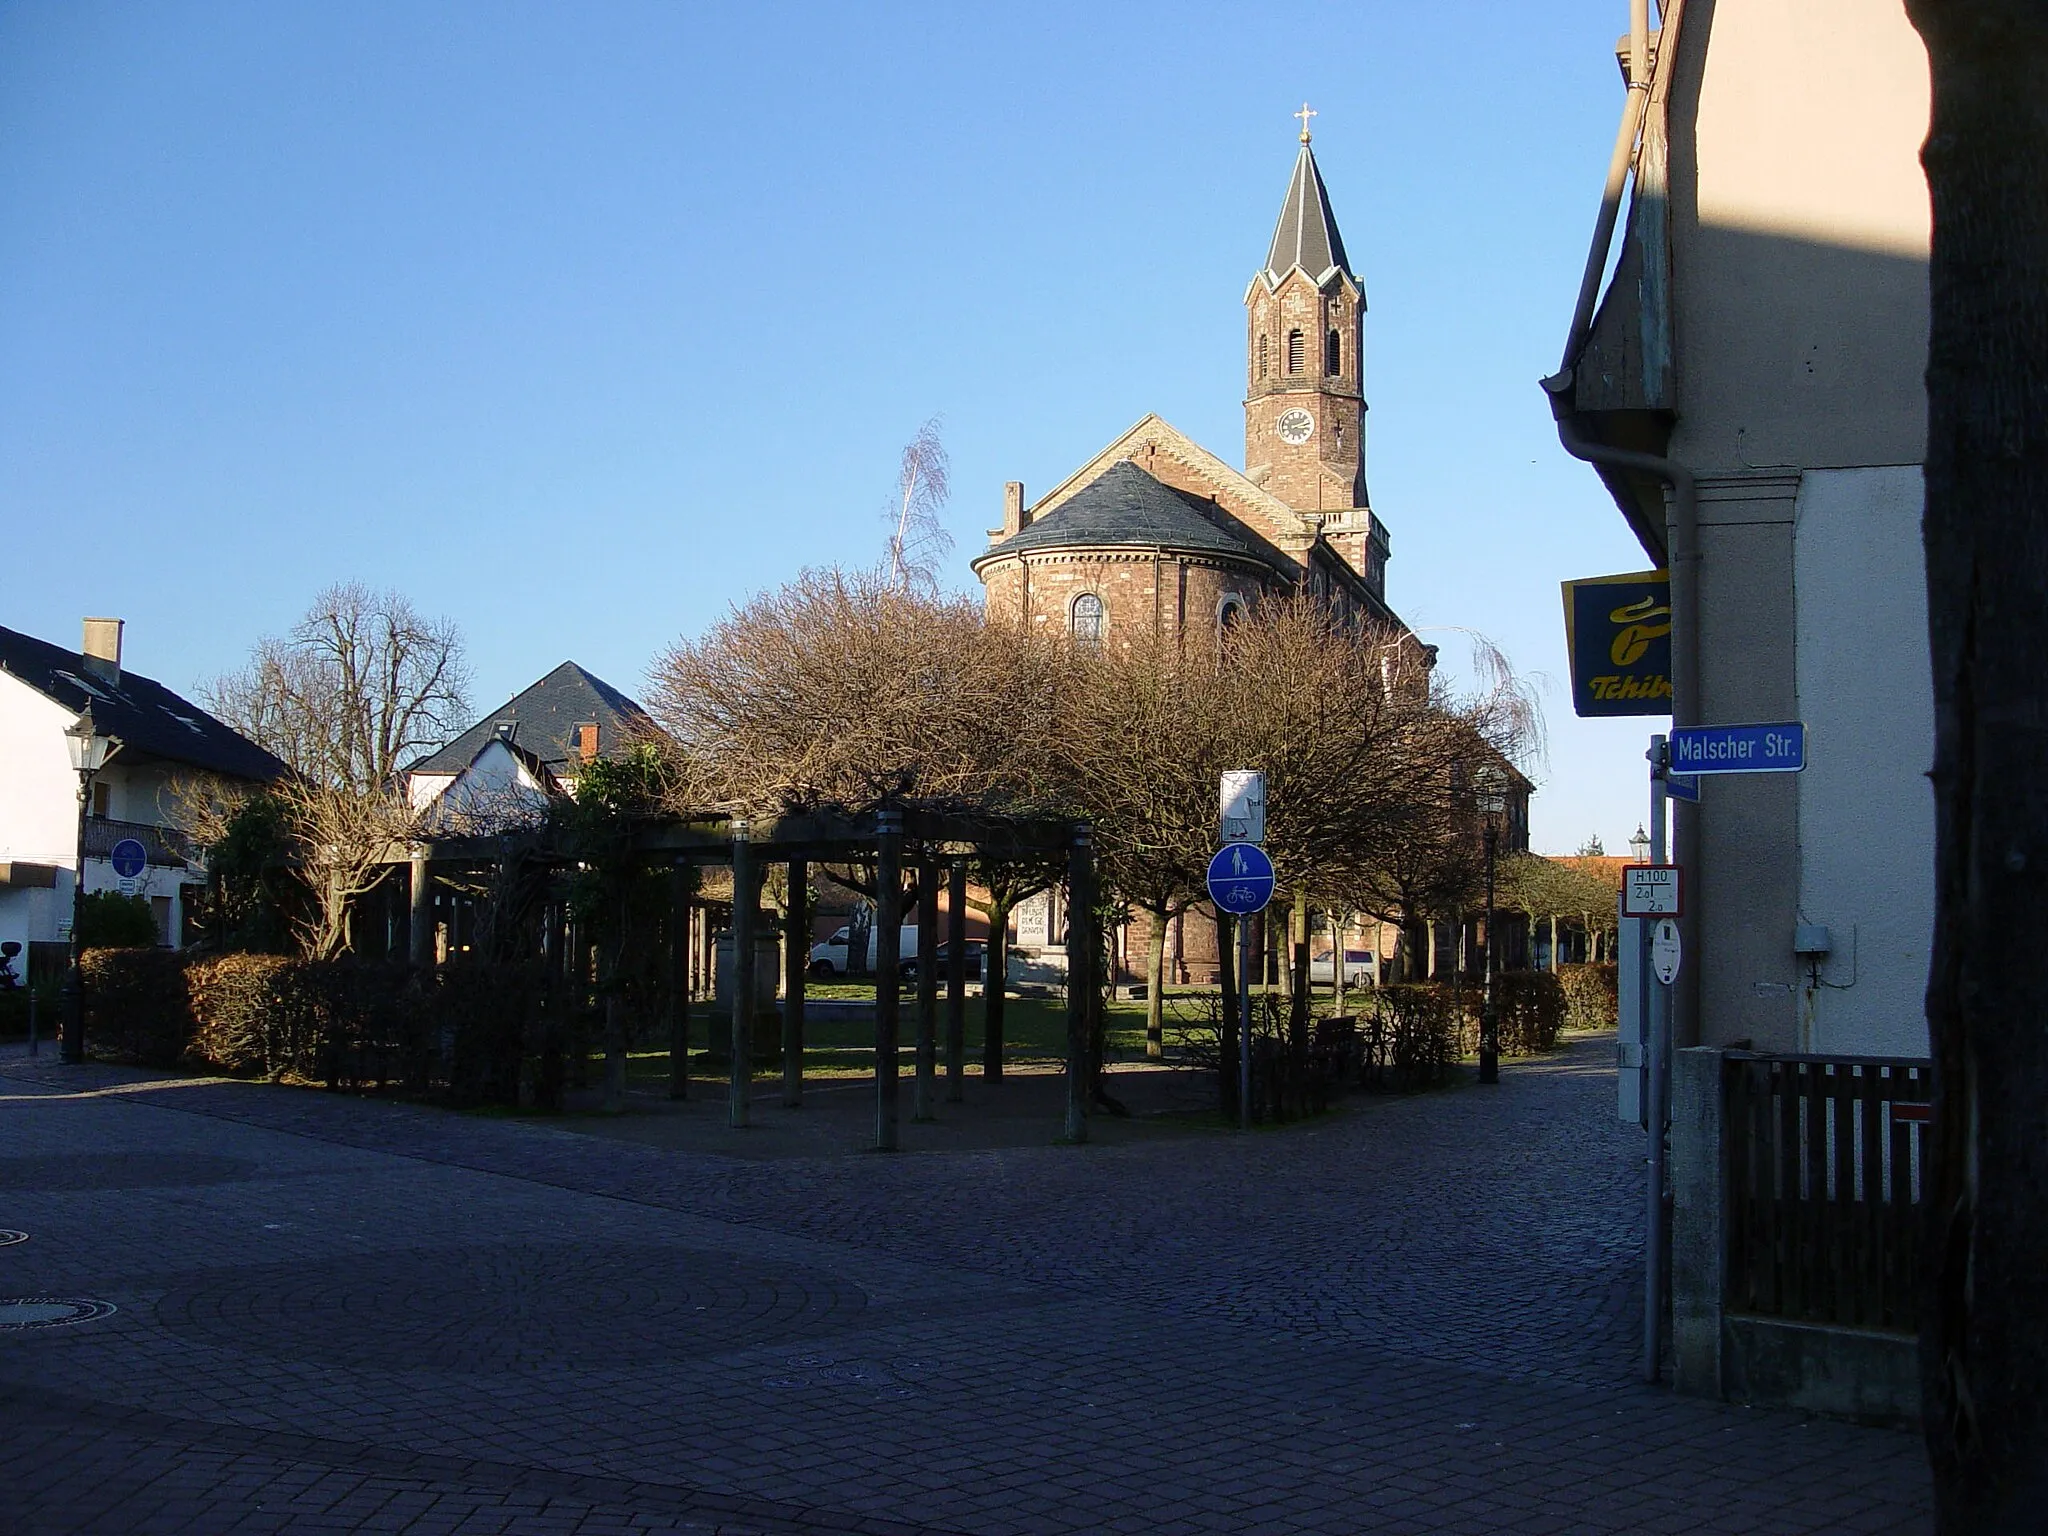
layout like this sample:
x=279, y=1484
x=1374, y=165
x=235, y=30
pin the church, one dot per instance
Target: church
x=1158, y=535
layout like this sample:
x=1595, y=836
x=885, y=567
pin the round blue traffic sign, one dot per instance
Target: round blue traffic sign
x=1241, y=879
x=129, y=856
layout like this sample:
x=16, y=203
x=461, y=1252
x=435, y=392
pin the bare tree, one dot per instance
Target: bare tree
x=1984, y=1351
x=918, y=541
x=848, y=690
x=362, y=685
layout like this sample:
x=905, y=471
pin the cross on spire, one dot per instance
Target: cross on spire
x=1305, y=114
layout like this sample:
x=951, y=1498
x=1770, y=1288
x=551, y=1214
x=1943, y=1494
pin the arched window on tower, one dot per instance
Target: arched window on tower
x=1085, y=620
x=1333, y=353
x=1264, y=349
x=1294, y=352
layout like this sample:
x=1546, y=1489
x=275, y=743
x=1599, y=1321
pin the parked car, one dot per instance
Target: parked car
x=977, y=962
x=829, y=958
x=1361, y=968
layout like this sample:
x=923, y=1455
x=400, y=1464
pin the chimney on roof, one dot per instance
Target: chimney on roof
x=1015, y=518
x=586, y=742
x=102, y=649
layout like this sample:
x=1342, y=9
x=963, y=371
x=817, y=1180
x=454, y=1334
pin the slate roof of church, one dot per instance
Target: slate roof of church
x=1307, y=233
x=148, y=719
x=546, y=717
x=1124, y=506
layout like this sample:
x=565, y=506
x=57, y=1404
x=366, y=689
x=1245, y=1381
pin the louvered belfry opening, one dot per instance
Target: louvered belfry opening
x=1294, y=351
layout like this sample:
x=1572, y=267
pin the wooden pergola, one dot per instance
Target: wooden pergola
x=897, y=837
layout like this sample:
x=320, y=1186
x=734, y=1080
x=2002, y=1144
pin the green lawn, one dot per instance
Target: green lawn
x=1034, y=1032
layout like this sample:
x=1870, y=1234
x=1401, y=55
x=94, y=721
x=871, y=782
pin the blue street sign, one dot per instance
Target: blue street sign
x=129, y=856
x=1738, y=748
x=1682, y=786
x=1241, y=879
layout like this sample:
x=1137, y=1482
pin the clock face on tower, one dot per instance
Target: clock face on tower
x=1295, y=426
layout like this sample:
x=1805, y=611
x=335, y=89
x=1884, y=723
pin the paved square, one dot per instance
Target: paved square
x=336, y=1315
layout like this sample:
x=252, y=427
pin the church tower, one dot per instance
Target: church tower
x=1304, y=409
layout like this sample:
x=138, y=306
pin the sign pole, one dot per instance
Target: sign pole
x=1244, y=1023
x=1656, y=1039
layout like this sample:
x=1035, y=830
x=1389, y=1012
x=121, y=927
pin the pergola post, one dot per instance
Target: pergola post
x=888, y=941
x=796, y=960
x=744, y=905
x=419, y=937
x=1080, y=977
x=956, y=981
x=680, y=878
x=927, y=989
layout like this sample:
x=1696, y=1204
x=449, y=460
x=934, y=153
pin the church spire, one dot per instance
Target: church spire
x=1304, y=409
x=1306, y=235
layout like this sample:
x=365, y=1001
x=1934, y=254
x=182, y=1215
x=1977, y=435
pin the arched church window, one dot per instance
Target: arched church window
x=1229, y=611
x=1085, y=619
x=1294, y=352
x=1333, y=353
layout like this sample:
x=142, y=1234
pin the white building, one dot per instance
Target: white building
x=43, y=691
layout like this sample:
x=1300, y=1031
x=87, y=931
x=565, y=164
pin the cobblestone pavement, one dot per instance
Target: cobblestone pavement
x=333, y=1315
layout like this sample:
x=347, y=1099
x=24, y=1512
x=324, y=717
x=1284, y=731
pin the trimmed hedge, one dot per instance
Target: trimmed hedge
x=1411, y=1036
x=137, y=1008
x=1592, y=998
x=468, y=1028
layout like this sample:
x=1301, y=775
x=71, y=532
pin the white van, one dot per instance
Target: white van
x=829, y=958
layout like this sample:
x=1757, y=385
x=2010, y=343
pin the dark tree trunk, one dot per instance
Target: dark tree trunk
x=994, y=989
x=1984, y=1341
x=1155, y=984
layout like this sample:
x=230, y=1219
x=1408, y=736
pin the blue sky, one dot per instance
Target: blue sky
x=578, y=322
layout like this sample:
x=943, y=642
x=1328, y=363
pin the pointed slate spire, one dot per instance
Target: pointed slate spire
x=1307, y=233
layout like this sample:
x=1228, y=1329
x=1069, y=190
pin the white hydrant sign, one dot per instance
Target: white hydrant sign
x=1652, y=890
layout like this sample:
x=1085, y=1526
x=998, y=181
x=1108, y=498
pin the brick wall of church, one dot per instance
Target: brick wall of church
x=1182, y=596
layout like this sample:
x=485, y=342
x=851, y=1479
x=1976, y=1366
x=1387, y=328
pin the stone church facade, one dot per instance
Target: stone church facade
x=1157, y=535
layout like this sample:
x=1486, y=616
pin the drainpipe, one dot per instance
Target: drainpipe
x=1647, y=91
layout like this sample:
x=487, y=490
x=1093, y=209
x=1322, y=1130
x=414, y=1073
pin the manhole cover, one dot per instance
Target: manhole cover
x=7, y=1237
x=21, y=1312
x=121, y=1170
x=511, y=1307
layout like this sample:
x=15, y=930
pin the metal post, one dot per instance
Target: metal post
x=1489, y=1013
x=72, y=996
x=744, y=902
x=1244, y=1023
x=922, y=1097
x=956, y=982
x=796, y=961
x=1656, y=1044
x=888, y=942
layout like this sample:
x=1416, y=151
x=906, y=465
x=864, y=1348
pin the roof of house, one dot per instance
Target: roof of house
x=1306, y=236
x=543, y=721
x=145, y=716
x=1121, y=506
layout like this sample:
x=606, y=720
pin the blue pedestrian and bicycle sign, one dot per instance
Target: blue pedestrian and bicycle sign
x=1738, y=748
x=1241, y=879
x=129, y=857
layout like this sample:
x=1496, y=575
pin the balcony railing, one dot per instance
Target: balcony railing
x=166, y=847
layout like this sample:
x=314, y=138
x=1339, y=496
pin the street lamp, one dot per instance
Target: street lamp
x=89, y=751
x=1490, y=795
x=1639, y=845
